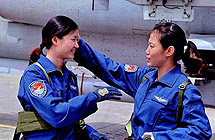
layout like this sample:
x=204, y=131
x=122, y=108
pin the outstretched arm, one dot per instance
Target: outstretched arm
x=114, y=73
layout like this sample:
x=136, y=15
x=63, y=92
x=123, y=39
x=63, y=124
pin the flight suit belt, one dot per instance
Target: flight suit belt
x=32, y=121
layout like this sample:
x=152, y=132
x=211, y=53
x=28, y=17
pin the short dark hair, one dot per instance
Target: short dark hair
x=192, y=66
x=172, y=35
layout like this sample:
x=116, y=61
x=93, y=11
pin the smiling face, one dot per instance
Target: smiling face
x=155, y=54
x=66, y=47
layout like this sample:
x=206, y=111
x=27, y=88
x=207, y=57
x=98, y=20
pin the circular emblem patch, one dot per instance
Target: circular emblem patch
x=38, y=88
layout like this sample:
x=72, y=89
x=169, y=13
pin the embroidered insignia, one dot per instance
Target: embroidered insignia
x=130, y=68
x=38, y=88
x=73, y=87
x=160, y=99
x=103, y=91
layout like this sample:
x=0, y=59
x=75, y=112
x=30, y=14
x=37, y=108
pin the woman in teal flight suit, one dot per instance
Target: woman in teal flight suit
x=156, y=97
x=55, y=96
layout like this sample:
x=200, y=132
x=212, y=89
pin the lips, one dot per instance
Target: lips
x=73, y=50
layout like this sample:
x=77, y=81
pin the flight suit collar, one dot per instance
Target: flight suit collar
x=50, y=67
x=168, y=79
x=152, y=75
x=171, y=77
x=47, y=64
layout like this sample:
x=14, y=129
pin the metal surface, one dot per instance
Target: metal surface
x=205, y=3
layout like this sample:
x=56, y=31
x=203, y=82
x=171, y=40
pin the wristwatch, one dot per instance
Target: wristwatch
x=147, y=137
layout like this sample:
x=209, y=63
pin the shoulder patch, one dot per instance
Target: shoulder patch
x=130, y=68
x=38, y=88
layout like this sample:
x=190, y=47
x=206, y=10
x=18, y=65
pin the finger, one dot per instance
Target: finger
x=117, y=94
x=115, y=98
x=111, y=88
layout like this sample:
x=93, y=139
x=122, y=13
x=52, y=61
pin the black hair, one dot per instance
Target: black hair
x=192, y=65
x=191, y=47
x=172, y=35
x=57, y=26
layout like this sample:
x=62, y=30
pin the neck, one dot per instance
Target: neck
x=56, y=61
x=165, y=69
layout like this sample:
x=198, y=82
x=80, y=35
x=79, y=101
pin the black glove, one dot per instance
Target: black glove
x=106, y=93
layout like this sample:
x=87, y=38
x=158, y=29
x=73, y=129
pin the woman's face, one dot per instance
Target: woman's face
x=67, y=46
x=155, y=54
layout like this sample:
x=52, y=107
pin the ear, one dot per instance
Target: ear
x=54, y=40
x=170, y=51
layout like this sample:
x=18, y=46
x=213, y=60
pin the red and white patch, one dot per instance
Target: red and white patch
x=38, y=88
x=130, y=68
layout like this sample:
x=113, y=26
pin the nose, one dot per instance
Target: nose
x=147, y=51
x=76, y=45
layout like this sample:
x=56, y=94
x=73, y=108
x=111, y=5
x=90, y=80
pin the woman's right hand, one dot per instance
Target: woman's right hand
x=98, y=136
x=106, y=93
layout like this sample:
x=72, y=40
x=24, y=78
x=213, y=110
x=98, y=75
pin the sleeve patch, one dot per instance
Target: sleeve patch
x=130, y=68
x=38, y=88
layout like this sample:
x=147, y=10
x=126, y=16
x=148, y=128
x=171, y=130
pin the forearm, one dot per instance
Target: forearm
x=60, y=114
x=105, y=68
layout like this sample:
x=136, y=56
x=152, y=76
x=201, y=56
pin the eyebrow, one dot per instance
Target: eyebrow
x=76, y=36
x=150, y=42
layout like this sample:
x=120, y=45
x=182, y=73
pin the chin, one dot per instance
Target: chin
x=148, y=64
x=67, y=58
x=71, y=56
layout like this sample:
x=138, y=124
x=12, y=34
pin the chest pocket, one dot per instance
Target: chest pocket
x=160, y=100
x=164, y=117
x=71, y=87
x=57, y=90
x=167, y=116
x=56, y=85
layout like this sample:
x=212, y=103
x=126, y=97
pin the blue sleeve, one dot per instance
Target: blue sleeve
x=89, y=129
x=195, y=124
x=95, y=135
x=52, y=108
x=106, y=69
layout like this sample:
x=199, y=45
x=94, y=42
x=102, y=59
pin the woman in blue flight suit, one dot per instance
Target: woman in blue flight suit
x=55, y=98
x=156, y=97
